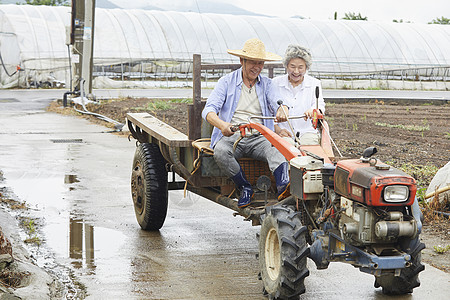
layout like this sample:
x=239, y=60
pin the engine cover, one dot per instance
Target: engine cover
x=366, y=182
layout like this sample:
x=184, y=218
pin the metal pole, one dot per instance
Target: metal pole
x=77, y=42
x=88, y=44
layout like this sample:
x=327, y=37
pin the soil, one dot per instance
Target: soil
x=414, y=138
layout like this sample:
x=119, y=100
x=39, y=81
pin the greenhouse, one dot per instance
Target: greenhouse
x=146, y=46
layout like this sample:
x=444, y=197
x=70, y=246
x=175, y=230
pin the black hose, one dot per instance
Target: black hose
x=4, y=68
x=65, y=96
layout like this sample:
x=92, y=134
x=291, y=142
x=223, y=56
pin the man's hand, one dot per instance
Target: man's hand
x=226, y=129
x=282, y=114
x=215, y=121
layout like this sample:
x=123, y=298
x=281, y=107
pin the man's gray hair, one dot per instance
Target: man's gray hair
x=297, y=51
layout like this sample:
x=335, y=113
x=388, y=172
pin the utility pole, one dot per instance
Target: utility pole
x=82, y=41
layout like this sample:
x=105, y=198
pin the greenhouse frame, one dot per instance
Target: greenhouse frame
x=152, y=46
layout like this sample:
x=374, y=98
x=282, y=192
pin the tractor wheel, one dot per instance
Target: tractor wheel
x=409, y=277
x=149, y=186
x=282, y=253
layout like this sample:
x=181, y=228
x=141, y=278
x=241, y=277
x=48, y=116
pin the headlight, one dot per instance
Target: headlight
x=396, y=193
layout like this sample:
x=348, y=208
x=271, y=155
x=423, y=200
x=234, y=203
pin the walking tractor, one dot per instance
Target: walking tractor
x=358, y=211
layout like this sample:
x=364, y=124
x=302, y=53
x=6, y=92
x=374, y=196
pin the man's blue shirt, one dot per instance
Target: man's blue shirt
x=225, y=97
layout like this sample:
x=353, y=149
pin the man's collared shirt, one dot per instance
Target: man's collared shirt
x=225, y=97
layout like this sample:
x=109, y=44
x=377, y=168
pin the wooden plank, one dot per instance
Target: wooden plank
x=159, y=130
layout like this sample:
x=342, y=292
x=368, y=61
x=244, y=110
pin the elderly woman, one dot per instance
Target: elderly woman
x=297, y=89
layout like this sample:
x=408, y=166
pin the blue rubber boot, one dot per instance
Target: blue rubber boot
x=282, y=180
x=245, y=187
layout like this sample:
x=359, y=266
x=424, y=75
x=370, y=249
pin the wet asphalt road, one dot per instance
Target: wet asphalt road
x=75, y=177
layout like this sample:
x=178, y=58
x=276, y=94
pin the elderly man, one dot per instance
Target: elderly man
x=236, y=96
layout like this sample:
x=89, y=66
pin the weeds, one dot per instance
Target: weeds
x=440, y=249
x=421, y=173
x=430, y=210
x=30, y=228
x=163, y=104
x=159, y=105
x=29, y=225
x=405, y=127
x=33, y=240
x=330, y=121
x=12, y=279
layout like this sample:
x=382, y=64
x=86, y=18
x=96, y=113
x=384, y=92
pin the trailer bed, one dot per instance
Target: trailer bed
x=159, y=130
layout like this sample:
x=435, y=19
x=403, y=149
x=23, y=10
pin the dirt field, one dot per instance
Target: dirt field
x=413, y=138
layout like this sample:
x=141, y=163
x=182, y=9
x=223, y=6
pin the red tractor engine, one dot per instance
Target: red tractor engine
x=373, y=184
x=375, y=201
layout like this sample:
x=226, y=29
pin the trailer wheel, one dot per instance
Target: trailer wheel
x=149, y=186
x=282, y=253
x=409, y=277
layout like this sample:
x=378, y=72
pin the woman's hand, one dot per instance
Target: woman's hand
x=282, y=132
x=285, y=133
x=282, y=114
x=309, y=113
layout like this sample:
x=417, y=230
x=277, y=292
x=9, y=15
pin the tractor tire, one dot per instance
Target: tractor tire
x=409, y=277
x=149, y=186
x=282, y=253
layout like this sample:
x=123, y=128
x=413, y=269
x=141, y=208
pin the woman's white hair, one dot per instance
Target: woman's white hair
x=297, y=51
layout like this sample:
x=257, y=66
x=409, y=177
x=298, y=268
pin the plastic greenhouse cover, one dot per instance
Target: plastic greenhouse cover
x=35, y=38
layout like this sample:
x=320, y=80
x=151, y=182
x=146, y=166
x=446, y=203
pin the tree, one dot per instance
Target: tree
x=354, y=16
x=48, y=2
x=443, y=21
x=400, y=21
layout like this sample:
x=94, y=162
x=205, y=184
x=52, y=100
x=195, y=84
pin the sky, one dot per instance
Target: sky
x=416, y=11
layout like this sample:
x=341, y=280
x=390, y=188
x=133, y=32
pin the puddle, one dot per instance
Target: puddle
x=70, y=179
x=73, y=249
x=66, y=141
x=89, y=249
x=81, y=245
x=8, y=100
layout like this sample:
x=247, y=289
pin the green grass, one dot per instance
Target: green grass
x=163, y=104
x=33, y=240
x=423, y=174
x=440, y=249
x=30, y=228
x=405, y=127
x=159, y=105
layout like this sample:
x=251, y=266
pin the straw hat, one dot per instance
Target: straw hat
x=254, y=49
